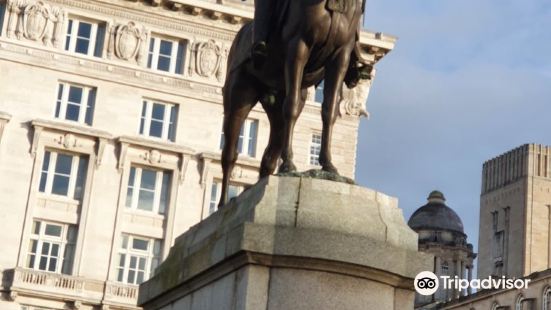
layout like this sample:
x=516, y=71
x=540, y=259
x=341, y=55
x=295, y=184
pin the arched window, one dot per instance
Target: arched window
x=445, y=268
x=546, y=299
x=518, y=303
x=495, y=305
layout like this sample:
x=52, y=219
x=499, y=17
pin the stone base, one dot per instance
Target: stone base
x=293, y=243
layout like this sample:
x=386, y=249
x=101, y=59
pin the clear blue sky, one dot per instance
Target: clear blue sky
x=467, y=80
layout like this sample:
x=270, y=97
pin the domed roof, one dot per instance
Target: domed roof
x=436, y=215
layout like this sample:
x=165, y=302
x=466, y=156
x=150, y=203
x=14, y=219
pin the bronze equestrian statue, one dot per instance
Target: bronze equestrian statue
x=307, y=41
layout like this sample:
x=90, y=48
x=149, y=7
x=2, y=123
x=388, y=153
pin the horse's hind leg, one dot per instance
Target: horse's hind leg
x=334, y=77
x=275, y=142
x=297, y=57
x=239, y=98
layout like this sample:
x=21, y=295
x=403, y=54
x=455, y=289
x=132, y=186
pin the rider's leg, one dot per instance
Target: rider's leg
x=262, y=21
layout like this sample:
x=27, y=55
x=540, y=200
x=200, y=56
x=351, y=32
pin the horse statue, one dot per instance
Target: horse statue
x=312, y=41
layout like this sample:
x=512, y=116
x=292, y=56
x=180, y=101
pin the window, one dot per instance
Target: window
x=158, y=120
x=166, y=55
x=148, y=189
x=216, y=192
x=445, y=268
x=319, y=93
x=546, y=300
x=315, y=149
x=63, y=174
x=495, y=215
x=2, y=13
x=52, y=247
x=138, y=257
x=85, y=37
x=75, y=103
x=246, y=144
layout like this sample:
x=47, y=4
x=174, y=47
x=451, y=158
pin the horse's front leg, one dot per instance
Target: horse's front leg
x=296, y=59
x=334, y=77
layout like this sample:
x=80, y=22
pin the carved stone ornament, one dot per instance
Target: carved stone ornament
x=35, y=21
x=127, y=41
x=208, y=60
x=153, y=156
x=68, y=141
x=354, y=100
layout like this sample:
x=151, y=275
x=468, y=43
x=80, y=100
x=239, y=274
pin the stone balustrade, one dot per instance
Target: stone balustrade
x=79, y=289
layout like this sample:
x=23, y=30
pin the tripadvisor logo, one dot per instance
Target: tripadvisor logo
x=427, y=283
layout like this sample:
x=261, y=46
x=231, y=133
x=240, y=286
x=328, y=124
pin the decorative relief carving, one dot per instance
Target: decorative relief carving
x=68, y=141
x=353, y=101
x=35, y=21
x=208, y=60
x=153, y=157
x=127, y=42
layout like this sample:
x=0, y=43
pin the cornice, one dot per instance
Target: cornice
x=159, y=145
x=76, y=129
x=192, y=26
x=242, y=160
x=4, y=116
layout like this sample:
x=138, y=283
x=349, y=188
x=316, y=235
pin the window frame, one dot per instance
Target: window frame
x=176, y=65
x=170, y=118
x=126, y=248
x=216, y=192
x=62, y=241
x=62, y=102
x=313, y=156
x=48, y=171
x=244, y=144
x=136, y=188
x=72, y=37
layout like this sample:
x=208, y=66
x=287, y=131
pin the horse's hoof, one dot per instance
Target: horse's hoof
x=287, y=166
x=330, y=168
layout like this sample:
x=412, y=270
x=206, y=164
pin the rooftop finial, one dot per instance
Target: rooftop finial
x=436, y=196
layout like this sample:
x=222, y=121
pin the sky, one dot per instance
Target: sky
x=468, y=80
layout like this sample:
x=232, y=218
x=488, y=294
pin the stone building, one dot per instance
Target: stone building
x=515, y=230
x=441, y=234
x=110, y=133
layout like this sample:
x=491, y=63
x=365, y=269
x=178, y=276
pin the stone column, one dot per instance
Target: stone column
x=470, y=277
x=455, y=292
x=463, y=272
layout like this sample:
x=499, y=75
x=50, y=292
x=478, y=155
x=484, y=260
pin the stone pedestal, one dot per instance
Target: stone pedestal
x=293, y=243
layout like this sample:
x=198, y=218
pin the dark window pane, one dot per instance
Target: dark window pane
x=140, y=278
x=122, y=259
x=84, y=30
x=140, y=244
x=180, y=58
x=91, y=106
x=46, y=161
x=133, y=262
x=120, y=275
x=59, y=99
x=165, y=192
x=163, y=63
x=82, y=46
x=233, y=191
x=72, y=112
x=67, y=267
x=69, y=31
x=141, y=263
x=43, y=179
x=240, y=141
x=253, y=129
x=156, y=129
x=60, y=185
x=75, y=94
x=100, y=37
x=129, y=194
x=145, y=201
x=36, y=228
x=158, y=112
x=45, y=248
x=148, y=179
x=55, y=250
x=131, y=277
x=165, y=48
x=53, y=230
x=53, y=263
x=43, y=262
x=81, y=177
x=30, y=261
x=63, y=164
x=33, y=246
x=132, y=176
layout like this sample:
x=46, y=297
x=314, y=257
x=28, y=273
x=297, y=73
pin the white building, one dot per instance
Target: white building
x=110, y=132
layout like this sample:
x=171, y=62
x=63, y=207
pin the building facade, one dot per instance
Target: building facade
x=515, y=230
x=110, y=135
x=441, y=234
